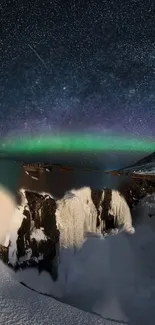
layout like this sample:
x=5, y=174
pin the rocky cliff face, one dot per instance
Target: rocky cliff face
x=38, y=235
x=46, y=225
x=136, y=190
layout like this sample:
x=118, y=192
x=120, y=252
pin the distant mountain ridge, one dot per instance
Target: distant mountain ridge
x=145, y=166
x=148, y=159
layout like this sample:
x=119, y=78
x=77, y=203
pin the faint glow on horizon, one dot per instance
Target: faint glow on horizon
x=75, y=143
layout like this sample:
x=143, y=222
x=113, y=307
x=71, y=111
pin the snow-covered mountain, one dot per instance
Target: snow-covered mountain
x=48, y=235
x=112, y=276
x=42, y=226
x=145, y=166
x=79, y=249
x=79, y=261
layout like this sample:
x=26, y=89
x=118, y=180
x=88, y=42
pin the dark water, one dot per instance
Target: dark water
x=57, y=182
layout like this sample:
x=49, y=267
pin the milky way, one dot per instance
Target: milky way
x=77, y=65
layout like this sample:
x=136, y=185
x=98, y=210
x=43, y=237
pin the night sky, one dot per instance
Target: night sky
x=77, y=66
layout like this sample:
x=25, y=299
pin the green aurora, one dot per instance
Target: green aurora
x=74, y=144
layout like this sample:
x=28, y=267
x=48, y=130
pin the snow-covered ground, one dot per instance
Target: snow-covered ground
x=113, y=277
x=146, y=171
x=19, y=305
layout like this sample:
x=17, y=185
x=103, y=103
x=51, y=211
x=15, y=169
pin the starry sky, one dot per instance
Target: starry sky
x=77, y=65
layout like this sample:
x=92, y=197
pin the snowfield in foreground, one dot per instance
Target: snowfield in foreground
x=20, y=305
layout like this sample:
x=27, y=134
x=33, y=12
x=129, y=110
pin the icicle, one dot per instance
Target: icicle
x=121, y=212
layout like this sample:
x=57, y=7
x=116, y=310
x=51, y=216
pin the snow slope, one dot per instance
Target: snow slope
x=19, y=305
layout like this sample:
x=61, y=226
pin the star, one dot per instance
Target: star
x=73, y=67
